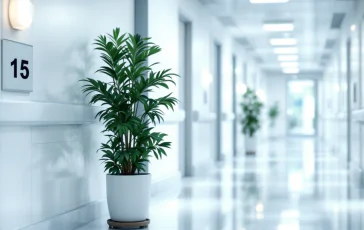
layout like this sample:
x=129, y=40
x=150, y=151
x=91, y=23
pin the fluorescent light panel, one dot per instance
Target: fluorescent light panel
x=289, y=64
x=268, y=1
x=278, y=26
x=283, y=41
x=287, y=58
x=286, y=50
x=291, y=70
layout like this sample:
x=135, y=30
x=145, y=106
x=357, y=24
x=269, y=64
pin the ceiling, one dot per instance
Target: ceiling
x=313, y=28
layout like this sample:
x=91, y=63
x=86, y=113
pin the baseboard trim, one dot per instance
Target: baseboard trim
x=84, y=215
x=72, y=219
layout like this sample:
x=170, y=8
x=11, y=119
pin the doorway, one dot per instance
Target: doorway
x=217, y=73
x=234, y=100
x=185, y=96
x=302, y=107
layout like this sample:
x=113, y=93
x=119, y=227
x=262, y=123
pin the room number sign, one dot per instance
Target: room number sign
x=17, y=66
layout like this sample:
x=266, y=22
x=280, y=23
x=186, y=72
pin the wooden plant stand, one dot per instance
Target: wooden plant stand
x=119, y=225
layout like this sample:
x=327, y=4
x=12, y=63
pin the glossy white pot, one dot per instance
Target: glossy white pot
x=128, y=197
x=250, y=144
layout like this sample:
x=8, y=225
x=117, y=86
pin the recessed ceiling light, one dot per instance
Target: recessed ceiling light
x=279, y=26
x=287, y=58
x=283, y=41
x=290, y=226
x=353, y=27
x=259, y=207
x=289, y=64
x=291, y=70
x=286, y=50
x=268, y=1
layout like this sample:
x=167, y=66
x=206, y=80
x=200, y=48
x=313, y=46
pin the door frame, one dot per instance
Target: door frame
x=234, y=101
x=185, y=149
x=218, y=73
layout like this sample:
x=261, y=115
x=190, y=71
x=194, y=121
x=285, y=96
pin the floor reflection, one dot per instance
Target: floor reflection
x=292, y=184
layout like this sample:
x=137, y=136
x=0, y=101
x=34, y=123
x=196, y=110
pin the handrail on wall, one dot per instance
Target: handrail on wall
x=39, y=113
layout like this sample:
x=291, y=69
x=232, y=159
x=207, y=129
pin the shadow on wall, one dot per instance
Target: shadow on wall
x=60, y=173
x=64, y=168
x=69, y=176
x=79, y=63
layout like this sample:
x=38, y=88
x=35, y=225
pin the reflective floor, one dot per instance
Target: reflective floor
x=292, y=184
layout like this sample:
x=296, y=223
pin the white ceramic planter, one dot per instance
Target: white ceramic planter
x=128, y=197
x=250, y=144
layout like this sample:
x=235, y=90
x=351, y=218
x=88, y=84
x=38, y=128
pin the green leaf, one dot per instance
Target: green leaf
x=128, y=114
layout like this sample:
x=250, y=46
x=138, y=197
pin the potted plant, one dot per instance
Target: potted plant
x=251, y=106
x=129, y=115
x=273, y=113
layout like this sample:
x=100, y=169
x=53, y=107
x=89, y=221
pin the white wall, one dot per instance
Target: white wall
x=163, y=29
x=202, y=52
x=242, y=58
x=337, y=117
x=203, y=150
x=255, y=79
x=263, y=86
x=276, y=92
x=51, y=169
x=206, y=31
x=223, y=37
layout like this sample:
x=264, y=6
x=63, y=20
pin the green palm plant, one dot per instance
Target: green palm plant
x=128, y=113
x=273, y=113
x=251, y=106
